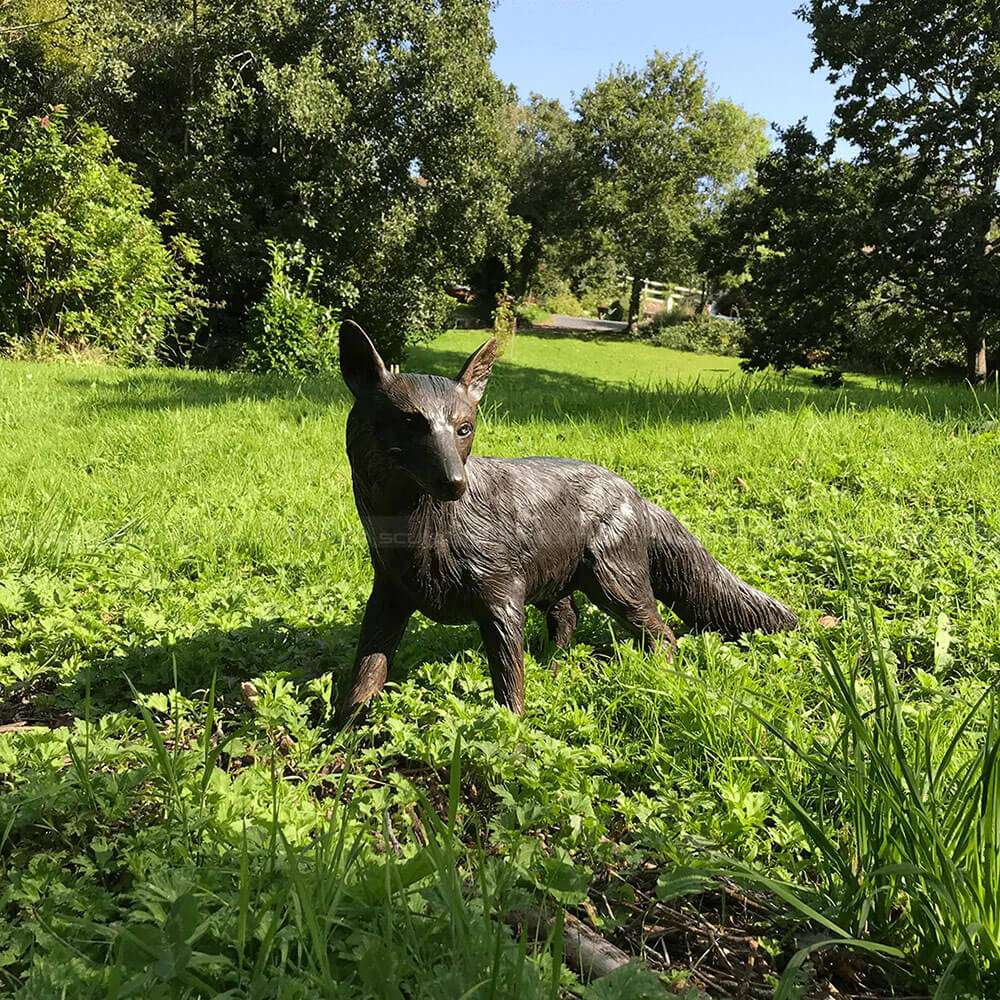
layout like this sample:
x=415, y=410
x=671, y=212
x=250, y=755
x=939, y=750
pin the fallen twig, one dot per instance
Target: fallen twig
x=584, y=950
x=20, y=727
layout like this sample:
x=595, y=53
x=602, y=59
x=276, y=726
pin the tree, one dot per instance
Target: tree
x=17, y=16
x=371, y=131
x=550, y=181
x=665, y=152
x=796, y=239
x=794, y=248
x=81, y=262
x=917, y=86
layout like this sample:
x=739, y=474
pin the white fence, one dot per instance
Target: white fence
x=665, y=292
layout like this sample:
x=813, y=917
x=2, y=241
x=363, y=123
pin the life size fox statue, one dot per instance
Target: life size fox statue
x=467, y=539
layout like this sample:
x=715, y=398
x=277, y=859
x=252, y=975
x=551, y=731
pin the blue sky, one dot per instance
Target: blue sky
x=756, y=52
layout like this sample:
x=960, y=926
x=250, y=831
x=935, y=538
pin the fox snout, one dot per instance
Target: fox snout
x=438, y=473
x=441, y=472
x=449, y=489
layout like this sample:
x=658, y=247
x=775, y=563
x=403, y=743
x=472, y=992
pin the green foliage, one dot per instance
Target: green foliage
x=549, y=185
x=913, y=856
x=552, y=289
x=565, y=251
x=797, y=235
x=289, y=331
x=564, y=303
x=599, y=285
x=920, y=105
x=257, y=909
x=530, y=314
x=892, y=338
x=504, y=321
x=802, y=241
x=549, y=282
x=373, y=132
x=585, y=265
x=82, y=266
x=701, y=333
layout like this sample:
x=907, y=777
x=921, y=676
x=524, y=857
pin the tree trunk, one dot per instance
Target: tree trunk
x=634, y=305
x=975, y=358
x=530, y=256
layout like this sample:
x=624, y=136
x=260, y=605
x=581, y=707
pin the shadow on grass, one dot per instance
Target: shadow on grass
x=522, y=393
x=156, y=390
x=525, y=393
x=269, y=648
x=261, y=648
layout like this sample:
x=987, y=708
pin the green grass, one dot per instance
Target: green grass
x=182, y=576
x=545, y=361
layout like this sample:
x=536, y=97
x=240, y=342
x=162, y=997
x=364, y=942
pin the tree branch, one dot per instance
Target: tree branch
x=12, y=29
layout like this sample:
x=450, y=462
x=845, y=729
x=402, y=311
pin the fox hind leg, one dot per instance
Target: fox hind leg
x=628, y=597
x=560, y=620
x=560, y=623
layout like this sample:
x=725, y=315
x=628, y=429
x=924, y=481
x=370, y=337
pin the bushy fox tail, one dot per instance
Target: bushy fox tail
x=701, y=591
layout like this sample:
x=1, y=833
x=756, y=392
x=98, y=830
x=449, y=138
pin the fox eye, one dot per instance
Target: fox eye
x=414, y=420
x=465, y=430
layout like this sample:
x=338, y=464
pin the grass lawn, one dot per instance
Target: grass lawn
x=182, y=576
x=599, y=358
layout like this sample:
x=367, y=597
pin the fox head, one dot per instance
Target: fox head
x=422, y=424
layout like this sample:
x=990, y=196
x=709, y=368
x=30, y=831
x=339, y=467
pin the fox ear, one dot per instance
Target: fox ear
x=475, y=372
x=360, y=364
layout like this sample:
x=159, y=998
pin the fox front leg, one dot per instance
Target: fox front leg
x=502, y=629
x=382, y=628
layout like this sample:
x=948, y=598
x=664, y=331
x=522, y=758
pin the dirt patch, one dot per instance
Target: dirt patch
x=729, y=944
x=19, y=712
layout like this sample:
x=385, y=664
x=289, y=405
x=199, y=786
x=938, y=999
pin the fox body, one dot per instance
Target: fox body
x=468, y=539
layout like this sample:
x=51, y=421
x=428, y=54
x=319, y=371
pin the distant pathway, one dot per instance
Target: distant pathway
x=585, y=323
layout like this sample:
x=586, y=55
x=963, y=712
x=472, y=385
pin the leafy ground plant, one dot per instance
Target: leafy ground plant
x=181, y=581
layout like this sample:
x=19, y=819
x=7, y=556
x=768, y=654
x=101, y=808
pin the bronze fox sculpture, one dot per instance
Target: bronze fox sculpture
x=465, y=539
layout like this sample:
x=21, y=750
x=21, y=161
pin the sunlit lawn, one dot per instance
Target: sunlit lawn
x=169, y=537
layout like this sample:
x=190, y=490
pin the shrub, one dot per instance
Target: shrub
x=591, y=301
x=553, y=292
x=564, y=303
x=597, y=281
x=466, y=316
x=81, y=264
x=504, y=321
x=889, y=338
x=584, y=264
x=531, y=314
x=670, y=318
x=289, y=331
x=549, y=282
x=701, y=334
